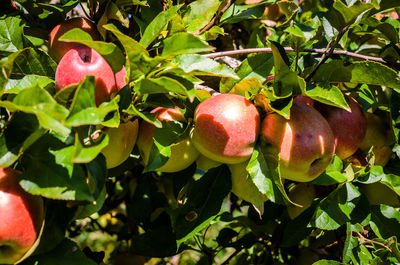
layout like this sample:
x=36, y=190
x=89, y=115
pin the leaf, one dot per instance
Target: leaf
x=83, y=110
x=203, y=202
x=65, y=253
x=183, y=43
x=30, y=61
x=352, y=14
x=11, y=34
x=85, y=153
x=38, y=101
x=236, y=13
x=385, y=221
x=21, y=132
x=334, y=210
x=160, y=85
x=49, y=171
x=327, y=262
x=196, y=64
x=328, y=94
x=366, y=72
x=110, y=52
x=200, y=13
x=153, y=30
x=136, y=52
x=14, y=86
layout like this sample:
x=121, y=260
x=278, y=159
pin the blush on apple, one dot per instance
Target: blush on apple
x=58, y=49
x=183, y=153
x=226, y=128
x=305, y=142
x=80, y=62
x=349, y=127
x=21, y=216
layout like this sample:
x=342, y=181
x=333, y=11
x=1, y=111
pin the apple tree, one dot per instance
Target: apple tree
x=199, y=132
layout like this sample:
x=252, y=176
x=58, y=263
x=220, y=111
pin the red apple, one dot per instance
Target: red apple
x=305, y=142
x=349, y=127
x=21, y=216
x=80, y=62
x=121, y=143
x=183, y=153
x=226, y=127
x=57, y=48
x=304, y=99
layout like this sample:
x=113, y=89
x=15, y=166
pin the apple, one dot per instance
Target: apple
x=378, y=193
x=58, y=49
x=82, y=61
x=21, y=216
x=273, y=12
x=304, y=99
x=204, y=163
x=226, y=128
x=243, y=186
x=302, y=194
x=349, y=127
x=183, y=153
x=305, y=142
x=127, y=258
x=121, y=142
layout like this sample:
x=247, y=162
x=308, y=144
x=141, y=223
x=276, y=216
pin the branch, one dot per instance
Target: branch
x=212, y=22
x=289, y=49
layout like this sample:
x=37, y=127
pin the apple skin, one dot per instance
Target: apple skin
x=21, y=216
x=305, y=142
x=378, y=193
x=302, y=194
x=82, y=61
x=57, y=49
x=226, y=128
x=121, y=143
x=183, y=153
x=304, y=99
x=204, y=163
x=349, y=127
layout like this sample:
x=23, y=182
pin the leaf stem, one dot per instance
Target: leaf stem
x=217, y=16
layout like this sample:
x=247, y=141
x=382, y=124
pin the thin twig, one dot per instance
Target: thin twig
x=289, y=49
x=328, y=54
x=215, y=19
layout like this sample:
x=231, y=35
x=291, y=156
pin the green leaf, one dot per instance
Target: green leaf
x=183, y=43
x=366, y=72
x=237, y=13
x=200, y=13
x=327, y=262
x=21, y=132
x=83, y=110
x=11, y=34
x=30, y=61
x=85, y=153
x=196, y=64
x=110, y=52
x=14, y=86
x=334, y=210
x=160, y=85
x=49, y=171
x=328, y=94
x=385, y=221
x=352, y=14
x=38, y=101
x=203, y=202
x=154, y=29
x=66, y=253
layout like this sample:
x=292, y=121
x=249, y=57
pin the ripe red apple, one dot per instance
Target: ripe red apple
x=121, y=142
x=183, y=153
x=348, y=126
x=304, y=99
x=80, y=62
x=302, y=194
x=305, y=142
x=21, y=216
x=57, y=48
x=226, y=128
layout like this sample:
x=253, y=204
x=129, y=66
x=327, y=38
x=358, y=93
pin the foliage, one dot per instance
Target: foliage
x=323, y=49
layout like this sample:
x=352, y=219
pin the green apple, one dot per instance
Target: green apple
x=57, y=49
x=378, y=193
x=305, y=142
x=302, y=194
x=226, y=128
x=121, y=142
x=21, y=216
x=204, y=163
x=349, y=127
x=183, y=153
